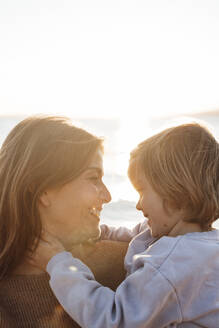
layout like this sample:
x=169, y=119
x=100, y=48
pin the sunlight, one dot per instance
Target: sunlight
x=57, y=60
x=133, y=129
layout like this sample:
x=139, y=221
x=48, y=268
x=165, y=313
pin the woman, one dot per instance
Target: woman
x=50, y=178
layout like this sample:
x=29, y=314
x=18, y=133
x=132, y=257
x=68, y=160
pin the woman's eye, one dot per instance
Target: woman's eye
x=94, y=178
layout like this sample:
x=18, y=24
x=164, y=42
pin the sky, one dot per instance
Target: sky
x=89, y=58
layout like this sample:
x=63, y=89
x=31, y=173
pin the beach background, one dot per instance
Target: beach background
x=122, y=69
x=119, y=140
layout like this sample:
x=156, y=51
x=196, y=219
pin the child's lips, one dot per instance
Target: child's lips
x=149, y=222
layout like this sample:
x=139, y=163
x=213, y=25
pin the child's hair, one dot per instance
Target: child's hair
x=182, y=165
x=39, y=153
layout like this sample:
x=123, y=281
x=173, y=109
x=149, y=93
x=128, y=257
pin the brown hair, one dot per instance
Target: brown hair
x=182, y=165
x=39, y=153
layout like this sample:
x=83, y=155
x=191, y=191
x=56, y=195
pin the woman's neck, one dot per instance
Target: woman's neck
x=81, y=251
x=26, y=268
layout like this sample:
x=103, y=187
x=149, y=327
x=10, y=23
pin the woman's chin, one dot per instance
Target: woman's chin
x=90, y=237
x=96, y=234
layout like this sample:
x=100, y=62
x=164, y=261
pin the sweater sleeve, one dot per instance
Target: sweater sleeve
x=122, y=233
x=145, y=298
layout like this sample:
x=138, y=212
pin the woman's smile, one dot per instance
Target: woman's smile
x=72, y=212
x=95, y=212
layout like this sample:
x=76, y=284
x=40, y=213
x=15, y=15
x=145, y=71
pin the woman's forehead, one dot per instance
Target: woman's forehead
x=97, y=160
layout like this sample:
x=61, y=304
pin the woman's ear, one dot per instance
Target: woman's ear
x=44, y=199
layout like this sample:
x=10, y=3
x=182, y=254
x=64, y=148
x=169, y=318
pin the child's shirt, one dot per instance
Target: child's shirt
x=171, y=282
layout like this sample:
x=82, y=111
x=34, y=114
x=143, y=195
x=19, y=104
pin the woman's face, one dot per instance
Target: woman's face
x=72, y=212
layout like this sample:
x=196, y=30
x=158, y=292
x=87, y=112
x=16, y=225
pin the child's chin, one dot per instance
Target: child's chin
x=152, y=233
x=155, y=234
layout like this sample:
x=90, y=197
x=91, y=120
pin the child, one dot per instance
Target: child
x=173, y=260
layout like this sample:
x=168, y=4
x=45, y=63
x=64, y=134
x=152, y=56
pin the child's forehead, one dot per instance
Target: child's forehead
x=135, y=172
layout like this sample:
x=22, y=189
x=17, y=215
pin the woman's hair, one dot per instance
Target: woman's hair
x=182, y=165
x=39, y=153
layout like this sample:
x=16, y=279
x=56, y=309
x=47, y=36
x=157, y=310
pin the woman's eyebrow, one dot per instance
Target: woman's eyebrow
x=97, y=169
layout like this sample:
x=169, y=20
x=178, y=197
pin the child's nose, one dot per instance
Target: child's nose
x=138, y=206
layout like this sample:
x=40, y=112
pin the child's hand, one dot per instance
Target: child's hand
x=48, y=247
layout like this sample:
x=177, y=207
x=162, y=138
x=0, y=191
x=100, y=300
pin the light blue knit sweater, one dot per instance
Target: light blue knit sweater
x=171, y=282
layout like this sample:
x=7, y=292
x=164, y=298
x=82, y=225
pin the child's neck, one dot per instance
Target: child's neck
x=182, y=227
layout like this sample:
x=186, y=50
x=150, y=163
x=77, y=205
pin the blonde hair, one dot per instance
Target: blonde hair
x=182, y=165
x=39, y=153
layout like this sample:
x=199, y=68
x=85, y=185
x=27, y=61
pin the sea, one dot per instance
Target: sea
x=120, y=137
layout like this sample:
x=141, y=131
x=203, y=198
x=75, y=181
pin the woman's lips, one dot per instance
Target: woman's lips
x=95, y=212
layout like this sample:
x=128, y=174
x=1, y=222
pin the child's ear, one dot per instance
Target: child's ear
x=44, y=199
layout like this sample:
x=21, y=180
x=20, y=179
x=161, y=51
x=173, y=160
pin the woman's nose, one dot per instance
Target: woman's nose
x=106, y=196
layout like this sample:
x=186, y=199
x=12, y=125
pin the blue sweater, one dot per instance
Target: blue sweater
x=171, y=282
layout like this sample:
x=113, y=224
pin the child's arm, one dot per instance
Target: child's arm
x=145, y=298
x=122, y=233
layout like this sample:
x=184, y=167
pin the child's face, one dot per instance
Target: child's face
x=151, y=204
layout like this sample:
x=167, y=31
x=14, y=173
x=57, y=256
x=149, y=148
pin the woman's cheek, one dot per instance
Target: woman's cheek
x=94, y=189
x=92, y=193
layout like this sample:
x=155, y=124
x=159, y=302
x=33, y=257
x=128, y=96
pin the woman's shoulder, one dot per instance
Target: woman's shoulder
x=5, y=318
x=28, y=301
